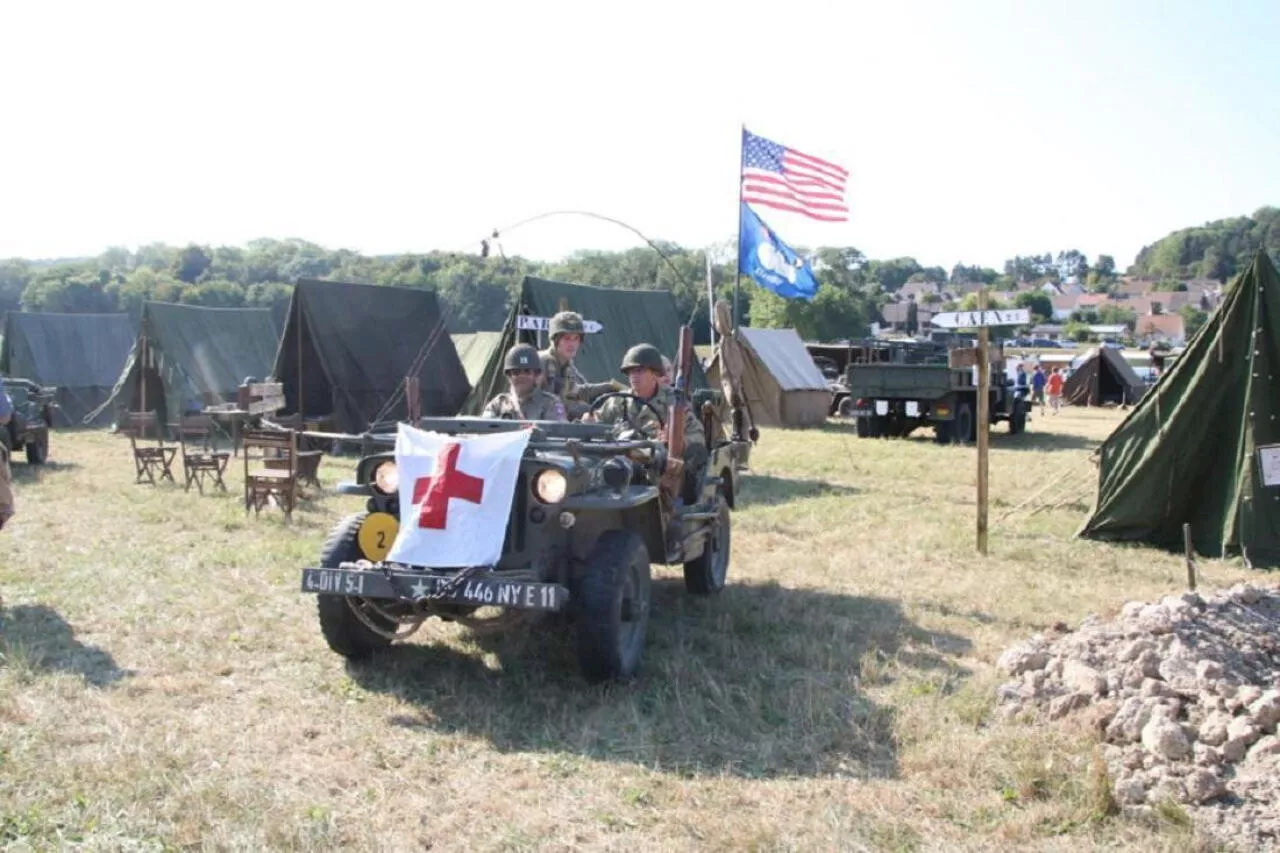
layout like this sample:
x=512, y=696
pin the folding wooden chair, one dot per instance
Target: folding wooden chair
x=200, y=459
x=277, y=452
x=148, y=460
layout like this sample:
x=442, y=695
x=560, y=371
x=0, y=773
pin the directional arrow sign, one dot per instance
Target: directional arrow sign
x=529, y=322
x=981, y=319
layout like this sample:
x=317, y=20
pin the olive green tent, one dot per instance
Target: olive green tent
x=1103, y=376
x=1193, y=450
x=474, y=349
x=79, y=354
x=347, y=348
x=625, y=317
x=186, y=357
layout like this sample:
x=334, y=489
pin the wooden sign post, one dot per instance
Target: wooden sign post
x=982, y=320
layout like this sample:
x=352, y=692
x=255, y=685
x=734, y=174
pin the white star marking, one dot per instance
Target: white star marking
x=419, y=589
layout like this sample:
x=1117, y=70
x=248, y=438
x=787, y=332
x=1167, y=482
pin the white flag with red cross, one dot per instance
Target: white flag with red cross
x=455, y=496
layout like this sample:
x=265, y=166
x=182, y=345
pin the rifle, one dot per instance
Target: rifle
x=675, y=418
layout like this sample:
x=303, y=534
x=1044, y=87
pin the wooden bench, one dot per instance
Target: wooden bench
x=200, y=459
x=148, y=459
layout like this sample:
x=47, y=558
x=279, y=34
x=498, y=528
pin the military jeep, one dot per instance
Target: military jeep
x=588, y=517
x=28, y=429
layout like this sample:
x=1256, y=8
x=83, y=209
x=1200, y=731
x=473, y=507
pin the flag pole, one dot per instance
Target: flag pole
x=737, y=253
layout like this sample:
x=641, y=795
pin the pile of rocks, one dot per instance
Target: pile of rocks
x=1185, y=694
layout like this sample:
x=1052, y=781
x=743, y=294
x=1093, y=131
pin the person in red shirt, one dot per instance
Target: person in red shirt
x=1054, y=387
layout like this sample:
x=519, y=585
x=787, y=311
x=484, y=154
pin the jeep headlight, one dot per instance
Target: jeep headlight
x=386, y=478
x=550, y=486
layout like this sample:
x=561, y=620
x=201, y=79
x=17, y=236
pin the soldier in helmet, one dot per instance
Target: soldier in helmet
x=524, y=401
x=644, y=369
x=559, y=374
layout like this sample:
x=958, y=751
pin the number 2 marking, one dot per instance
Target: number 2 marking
x=382, y=539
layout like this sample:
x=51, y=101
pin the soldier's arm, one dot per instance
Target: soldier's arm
x=589, y=391
x=491, y=409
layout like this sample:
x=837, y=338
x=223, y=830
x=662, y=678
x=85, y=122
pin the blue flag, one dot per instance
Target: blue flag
x=770, y=262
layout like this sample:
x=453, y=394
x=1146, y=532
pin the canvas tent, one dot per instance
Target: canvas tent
x=347, y=348
x=626, y=317
x=474, y=349
x=1190, y=452
x=782, y=384
x=80, y=354
x=1103, y=376
x=186, y=357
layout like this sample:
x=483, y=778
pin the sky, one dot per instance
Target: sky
x=973, y=131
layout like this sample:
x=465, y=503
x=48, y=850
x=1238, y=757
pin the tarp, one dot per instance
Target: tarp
x=627, y=318
x=1103, y=376
x=474, y=350
x=782, y=385
x=186, y=357
x=81, y=354
x=1189, y=452
x=347, y=348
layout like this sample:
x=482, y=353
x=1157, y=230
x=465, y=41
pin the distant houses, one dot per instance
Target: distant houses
x=1155, y=312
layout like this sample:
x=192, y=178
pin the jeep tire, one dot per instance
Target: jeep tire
x=706, y=573
x=612, y=612
x=342, y=629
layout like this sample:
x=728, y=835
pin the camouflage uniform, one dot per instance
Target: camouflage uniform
x=567, y=382
x=538, y=406
x=638, y=415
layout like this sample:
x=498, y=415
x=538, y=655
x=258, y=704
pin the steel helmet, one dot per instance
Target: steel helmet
x=566, y=323
x=522, y=357
x=642, y=355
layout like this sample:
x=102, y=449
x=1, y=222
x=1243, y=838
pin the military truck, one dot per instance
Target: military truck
x=28, y=429
x=930, y=385
x=589, y=516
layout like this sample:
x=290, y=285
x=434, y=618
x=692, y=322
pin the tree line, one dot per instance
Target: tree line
x=477, y=289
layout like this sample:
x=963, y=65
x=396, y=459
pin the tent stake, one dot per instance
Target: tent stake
x=1191, y=557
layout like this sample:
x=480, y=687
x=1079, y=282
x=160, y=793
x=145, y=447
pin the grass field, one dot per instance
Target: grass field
x=163, y=683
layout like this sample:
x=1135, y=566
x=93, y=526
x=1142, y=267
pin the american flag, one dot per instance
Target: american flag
x=780, y=177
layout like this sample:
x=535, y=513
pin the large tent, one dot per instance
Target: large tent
x=1194, y=450
x=186, y=357
x=782, y=384
x=347, y=348
x=80, y=354
x=626, y=318
x=474, y=350
x=1103, y=376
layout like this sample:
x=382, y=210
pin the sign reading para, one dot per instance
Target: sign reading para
x=530, y=323
x=981, y=319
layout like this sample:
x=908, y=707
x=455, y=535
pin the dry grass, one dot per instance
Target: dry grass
x=164, y=685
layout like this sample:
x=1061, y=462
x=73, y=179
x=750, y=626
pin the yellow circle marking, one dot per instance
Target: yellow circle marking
x=376, y=535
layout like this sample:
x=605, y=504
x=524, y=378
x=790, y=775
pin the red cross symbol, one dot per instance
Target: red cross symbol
x=447, y=482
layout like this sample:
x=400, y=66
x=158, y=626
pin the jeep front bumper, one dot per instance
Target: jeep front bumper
x=413, y=586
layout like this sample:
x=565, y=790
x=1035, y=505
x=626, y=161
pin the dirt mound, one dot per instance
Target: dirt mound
x=1184, y=693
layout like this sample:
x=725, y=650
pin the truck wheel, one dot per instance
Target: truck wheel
x=342, y=629
x=962, y=427
x=38, y=450
x=1018, y=418
x=613, y=606
x=863, y=427
x=706, y=573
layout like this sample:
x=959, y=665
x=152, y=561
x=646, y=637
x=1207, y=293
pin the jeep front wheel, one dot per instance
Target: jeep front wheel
x=706, y=573
x=613, y=606
x=343, y=630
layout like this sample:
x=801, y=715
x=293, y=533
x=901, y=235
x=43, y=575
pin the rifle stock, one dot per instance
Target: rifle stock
x=680, y=385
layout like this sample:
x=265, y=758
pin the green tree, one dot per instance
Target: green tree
x=191, y=264
x=1192, y=319
x=1038, y=301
